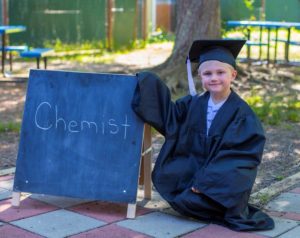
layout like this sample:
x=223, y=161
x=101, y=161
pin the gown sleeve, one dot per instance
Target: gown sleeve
x=229, y=175
x=152, y=103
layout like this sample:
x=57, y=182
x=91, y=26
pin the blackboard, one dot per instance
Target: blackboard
x=80, y=137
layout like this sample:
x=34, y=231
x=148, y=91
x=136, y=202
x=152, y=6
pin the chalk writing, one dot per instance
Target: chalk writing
x=110, y=126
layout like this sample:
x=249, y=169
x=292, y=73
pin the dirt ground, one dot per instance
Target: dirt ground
x=282, y=151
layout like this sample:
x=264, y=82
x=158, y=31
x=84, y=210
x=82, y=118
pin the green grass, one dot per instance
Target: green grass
x=264, y=198
x=274, y=110
x=96, y=50
x=157, y=37
x=59, y=46
x=103, y=57
x=10, y=127
x=160, y=37
x=279, y=177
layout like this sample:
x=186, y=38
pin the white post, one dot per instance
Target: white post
x=15, y=202
x=153, y=9
x=131, y=210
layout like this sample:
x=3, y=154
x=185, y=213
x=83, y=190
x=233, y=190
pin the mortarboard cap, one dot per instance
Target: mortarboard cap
x=225, y=51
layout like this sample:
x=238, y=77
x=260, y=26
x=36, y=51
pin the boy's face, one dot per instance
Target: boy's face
x=217, y=77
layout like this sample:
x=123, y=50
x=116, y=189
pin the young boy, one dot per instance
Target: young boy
x=213, y=141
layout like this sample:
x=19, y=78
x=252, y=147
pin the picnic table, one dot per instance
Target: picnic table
x=4, y=31
x=269, y=25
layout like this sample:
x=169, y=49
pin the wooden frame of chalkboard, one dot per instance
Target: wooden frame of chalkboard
x=80, y=138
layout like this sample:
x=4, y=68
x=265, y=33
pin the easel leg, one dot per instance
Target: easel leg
x=131, y=210
x=147, y=162
x=147, y=182
x=15, y=202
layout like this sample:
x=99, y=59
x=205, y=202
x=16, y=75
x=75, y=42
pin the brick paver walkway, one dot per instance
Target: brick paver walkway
x=49, y=216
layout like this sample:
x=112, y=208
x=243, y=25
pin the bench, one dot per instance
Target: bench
x=37, y=53
x=287, y=43
x=250, y=43
x=14, y=48
x=255, y=43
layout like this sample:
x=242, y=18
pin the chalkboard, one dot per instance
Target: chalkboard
x=80, y=137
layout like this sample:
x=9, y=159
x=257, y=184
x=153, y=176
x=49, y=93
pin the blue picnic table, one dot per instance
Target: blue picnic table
x=4, y=30
x=269, y=25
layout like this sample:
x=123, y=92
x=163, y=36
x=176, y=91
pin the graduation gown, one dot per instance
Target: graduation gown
x=222, y=165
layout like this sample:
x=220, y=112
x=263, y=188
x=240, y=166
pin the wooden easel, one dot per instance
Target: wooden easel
x=144, y=178
x=146, y=163
x=145, y=170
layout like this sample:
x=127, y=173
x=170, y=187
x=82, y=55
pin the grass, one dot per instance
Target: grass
x=264, y=198
x=10, y=127
x=159, y=37
x=96, y=52
x=275, y=109
x=59, y=46
x=280, y=177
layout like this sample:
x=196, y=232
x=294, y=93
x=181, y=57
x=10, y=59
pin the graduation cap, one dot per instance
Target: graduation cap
x=224, y=51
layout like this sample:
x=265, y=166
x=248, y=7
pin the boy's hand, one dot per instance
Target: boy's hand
x=195, y=190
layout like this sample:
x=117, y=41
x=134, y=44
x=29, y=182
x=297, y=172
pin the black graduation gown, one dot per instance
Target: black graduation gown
x=222, y=165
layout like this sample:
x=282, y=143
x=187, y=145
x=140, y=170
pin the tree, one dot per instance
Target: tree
x=196, y=19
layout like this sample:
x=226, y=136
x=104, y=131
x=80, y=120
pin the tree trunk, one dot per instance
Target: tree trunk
x=196, y=19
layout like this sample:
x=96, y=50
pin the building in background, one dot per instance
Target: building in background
x=270, y=10
x=119, y=23
x=166, y=15
x=282, y=10
x=114, y=23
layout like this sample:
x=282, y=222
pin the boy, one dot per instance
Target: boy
x=213, y=141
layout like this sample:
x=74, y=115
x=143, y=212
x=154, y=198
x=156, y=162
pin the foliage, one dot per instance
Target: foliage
x=264, y=198
x=10, y=127
x=137, y=44
x=58, y=45
x=95, y=52
x=249, y=4
x=160, y=36
x=279, y=177
x=275, y=109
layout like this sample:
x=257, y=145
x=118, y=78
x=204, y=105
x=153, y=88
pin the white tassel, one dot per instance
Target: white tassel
x=192, y=88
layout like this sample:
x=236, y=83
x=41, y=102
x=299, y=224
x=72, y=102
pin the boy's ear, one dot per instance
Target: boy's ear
x=234, y=73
